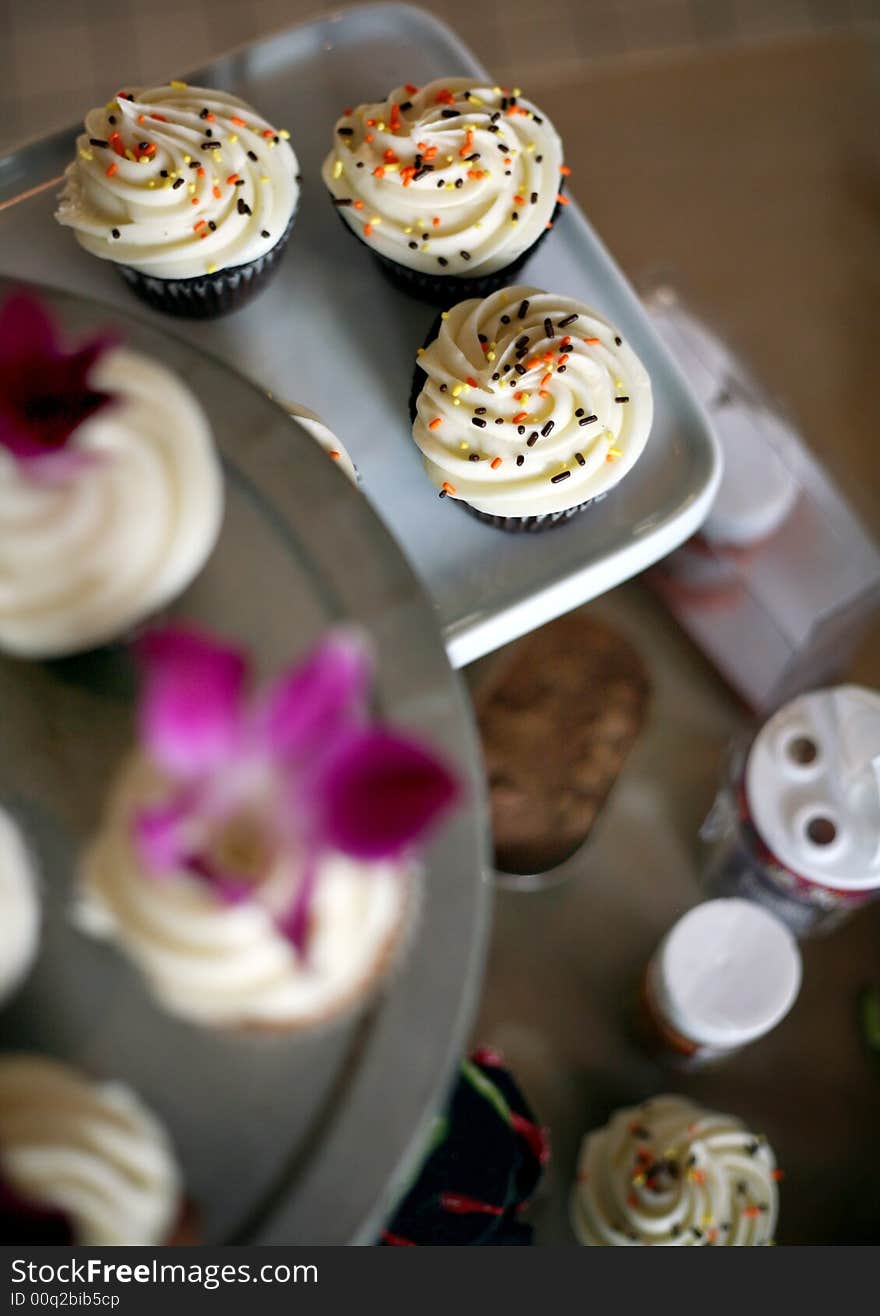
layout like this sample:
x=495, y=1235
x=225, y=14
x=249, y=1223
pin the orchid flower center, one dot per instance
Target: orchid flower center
x=243, y=846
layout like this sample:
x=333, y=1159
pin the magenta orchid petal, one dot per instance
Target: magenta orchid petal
x=44, y=392
x=190, y=709
x=159, y=837
x=294, y=924
x=315, y=701
x=380, y=792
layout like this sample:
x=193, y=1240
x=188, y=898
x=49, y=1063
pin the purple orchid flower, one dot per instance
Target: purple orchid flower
x=298, y=769
x=44, y=391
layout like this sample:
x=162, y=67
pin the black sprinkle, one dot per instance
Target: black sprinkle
x=523, y=308
x=514, y=217
x=465, y=255
x=97, y=141
x=203, y=114
x=499, y=420
x=520, y=369
x=178, y=182
x=413, y=246
x=459, y=182
x=212, y=226
x=752, y=1147
x=520, y=460
x=588, y=420
x=496, y=375
x=405, y=105
x=617, y=340
x=209, y=132
x=341, y=200
x=212, y=146
x=548, y=328
x=502, y=146
x=560, y=370
x=442, y=493
x=448, y=114
x=478, y=421
x=163, y=173
x=443, y=388
x=482, y=338
x=114, y=232
x=538, y=159
x=569, y=319
x=697, y=1233
x=264, y=233
x=505, y=319
x=359, y=164
x=504, y=102
x=493, y=128
x=442, y=260
x=480, y=411
x=532, y=439
x=425, y=237
x=537, y=119
x=581, y=460
x=547, y=428
x=742, y=1187
x=420, y=173
x=194, y=164
x=563, y=475
x=522, y=341
x=474, y=457
x=534, y=197
x=520, y=429
x=252, y=155
x=579, y=412
x=470, y=158
x=243, y=207
x=345, y=132
x=493, y=118
x=624, y=397
x=111, y=118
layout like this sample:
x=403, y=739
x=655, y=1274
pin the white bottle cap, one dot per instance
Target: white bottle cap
x=813, y=787
x=757, y=491
x=727, y=973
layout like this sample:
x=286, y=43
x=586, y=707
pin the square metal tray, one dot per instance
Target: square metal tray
x=331, y=333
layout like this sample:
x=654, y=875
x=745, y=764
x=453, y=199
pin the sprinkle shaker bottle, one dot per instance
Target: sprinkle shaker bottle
x=724, y=975
x=796, y=823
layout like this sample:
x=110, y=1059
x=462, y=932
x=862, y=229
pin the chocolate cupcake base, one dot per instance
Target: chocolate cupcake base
x=208, y=295
x=528, y=524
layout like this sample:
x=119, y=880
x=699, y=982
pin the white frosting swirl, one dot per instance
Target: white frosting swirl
x=487, y=175
x=19, y=907
x=203, y=182
x=91, y=1150
x=533, y=404
x=669, y=1173
x=324, y=437
x=227, y=965
x=85, y=554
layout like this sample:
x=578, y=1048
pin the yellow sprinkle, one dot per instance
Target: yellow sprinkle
x=129, y=153
x=111, y=105
x=337, y=168
x=490, y=356
x=614, y=453
x=283, y=132
x=530, y=146
x=212, y=268
x=166, y=182
x=264, y=178
x=420, y=351
x=496, y=91
x=178, y=86
x=456, y=402
x=465, y=447
x=392, y=168
x=517, y=91
x=192, y=188
x=187, y=159
x=638, y=1179
x=457, y=389
x=479, y=224
x=465, y=388
x=424, y=246
x=449, y=159
x=233, y=137
x=707, y=1219
x=377, y=219
x=87, y=155
x=475, y=100
x=151, y=182
x=444, y=315
x=408, y=230
x=450, y=187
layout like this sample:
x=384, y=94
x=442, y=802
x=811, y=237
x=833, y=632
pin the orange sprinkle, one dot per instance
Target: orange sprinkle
x=395, y=117
x=335, y=454
x=495, y=463
x=217, y=192
x=407, y=174
x=563, y=200
x=347, y=110
x=448, y=488
x=430, y=152
x=379, y=171
x=368, y=137
x=435, y=423
x=546, y=378
x=368, y=230
x=358, y=205
x=444, y=97
x=161, y=118
x=698, y=1176
x=592, y=340
x=142, y=118
x=549, y=223
x=210, y=117
x=195, y=200
x=436, y=221
x=390, y=158
x=565, y=170
x=116, y=142
x=475, y=173
x=200, y=223
x=232, y=179
x=563, y=358
x=777, y=1174
x=200, y=172
x=508, y=160
x=712, y=1235
x=239, y=123
x=468, y=143
x=520, y=416
x=751, y=1212
x=519, y=395
x=111, y=169
x=470, y=380
x=543, y=393
x=408, y=87
x=520, y=200
x=267, y=133
x=564, y=342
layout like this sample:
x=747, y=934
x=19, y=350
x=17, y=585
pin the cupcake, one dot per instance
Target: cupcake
x=19, y=908
x=670, y=1173
x=256, y=856
x=527, y=406
x=81, y=1162
x=485, y=1158
x=111, y=493
x=451, y=186
x=324, y=437
x=190, y=193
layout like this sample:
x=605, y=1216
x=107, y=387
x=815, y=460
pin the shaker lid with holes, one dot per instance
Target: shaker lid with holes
x=813, y=787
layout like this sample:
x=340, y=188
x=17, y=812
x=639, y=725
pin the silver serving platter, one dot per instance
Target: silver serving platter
x=281, y=1139
x=331, y=333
